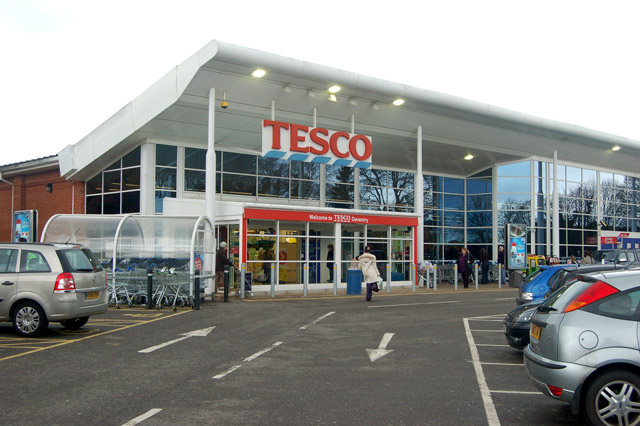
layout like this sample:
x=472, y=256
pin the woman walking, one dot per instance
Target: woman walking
x=369, y=269
x=464, y=266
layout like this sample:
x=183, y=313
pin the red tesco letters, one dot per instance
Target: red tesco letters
x=319, y=141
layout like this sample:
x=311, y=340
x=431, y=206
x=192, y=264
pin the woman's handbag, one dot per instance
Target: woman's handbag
x=374, y=287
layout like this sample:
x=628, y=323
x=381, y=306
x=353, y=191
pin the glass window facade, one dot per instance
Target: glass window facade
x=301, y=244
x=115, y=190
x=458, y=211
x=386, y=190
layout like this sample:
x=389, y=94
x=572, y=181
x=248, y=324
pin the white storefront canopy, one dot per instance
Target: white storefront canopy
x=176, y=109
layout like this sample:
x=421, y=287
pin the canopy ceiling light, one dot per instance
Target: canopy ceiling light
x=287, y=88
x=353, y=102
x=333, y=98
x=258, y=73
x=375, y=106
x=468, y=157
x=334, y=89
x=616, y=148
x=398, y=102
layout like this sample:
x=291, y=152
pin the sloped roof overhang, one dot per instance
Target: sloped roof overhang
x=175, y=110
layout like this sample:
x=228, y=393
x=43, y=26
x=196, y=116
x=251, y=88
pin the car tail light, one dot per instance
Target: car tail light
x=593, y=293
x=65, y=283
x=555, y=391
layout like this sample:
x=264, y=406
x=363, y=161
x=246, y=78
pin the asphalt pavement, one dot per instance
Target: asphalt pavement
x=409, y=358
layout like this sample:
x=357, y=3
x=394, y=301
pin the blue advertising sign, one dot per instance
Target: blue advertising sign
x=25, y=226
x=516, y=246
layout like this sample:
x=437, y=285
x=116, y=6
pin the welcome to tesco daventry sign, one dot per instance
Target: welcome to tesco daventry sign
x=298, y=142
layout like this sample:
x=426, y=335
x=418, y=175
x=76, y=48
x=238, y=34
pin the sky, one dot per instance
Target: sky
x=66, y=66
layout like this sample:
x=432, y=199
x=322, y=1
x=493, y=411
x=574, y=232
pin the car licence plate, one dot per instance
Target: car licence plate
x=535, y=331
x=90, y=295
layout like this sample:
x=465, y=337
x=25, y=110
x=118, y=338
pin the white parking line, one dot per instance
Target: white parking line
x=497, y=346
x=489, y=331
x=489, y=408
x=231, y=370
x=143, y=417
x=412, y=304
x=517, y=392
x=262, y=352
x=247, y=359
x=304, y=327
x=503, y=363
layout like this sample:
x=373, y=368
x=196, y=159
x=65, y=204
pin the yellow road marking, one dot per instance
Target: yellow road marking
x=92, y=336
x=144, y=315
x=18, y=347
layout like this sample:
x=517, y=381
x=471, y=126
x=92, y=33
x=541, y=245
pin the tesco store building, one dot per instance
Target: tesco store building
x=289, y=157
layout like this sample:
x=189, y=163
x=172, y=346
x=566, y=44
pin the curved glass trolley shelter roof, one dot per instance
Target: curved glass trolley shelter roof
x=121, y=241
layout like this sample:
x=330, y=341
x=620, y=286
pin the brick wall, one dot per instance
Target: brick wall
x=30, y=194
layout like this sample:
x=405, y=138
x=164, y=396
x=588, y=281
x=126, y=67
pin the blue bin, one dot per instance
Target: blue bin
x=354, y=281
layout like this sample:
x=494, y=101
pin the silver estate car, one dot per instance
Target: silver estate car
x=584, y=347
x=42, y=283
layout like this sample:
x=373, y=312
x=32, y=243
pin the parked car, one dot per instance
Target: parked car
x=517, y=323
x=536, y=285
x=584, y=347
x=44, y=283
x=616, y=256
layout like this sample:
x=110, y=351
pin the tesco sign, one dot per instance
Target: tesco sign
x=298, y=142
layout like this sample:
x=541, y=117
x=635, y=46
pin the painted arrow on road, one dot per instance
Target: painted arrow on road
x=195, y=333
x=376, y=354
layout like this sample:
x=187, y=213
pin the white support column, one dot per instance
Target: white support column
x=548, y=210
x=147, y=178
x=210, y=173
x=556, y=209
x=494, y=213
x=532, y=206
x=419, y=197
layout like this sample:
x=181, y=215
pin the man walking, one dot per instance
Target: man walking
x=221, y=260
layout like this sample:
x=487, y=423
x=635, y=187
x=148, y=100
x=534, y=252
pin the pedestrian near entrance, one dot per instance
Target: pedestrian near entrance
x=588, y=258
x=464, y=266
x=484, y=264
x=503, y=270
x=370, y=272
x=221, y=261
x=330, y=262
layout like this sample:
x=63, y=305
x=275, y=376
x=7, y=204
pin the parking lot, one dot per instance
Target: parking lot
x=405, y=358
x=508, y=396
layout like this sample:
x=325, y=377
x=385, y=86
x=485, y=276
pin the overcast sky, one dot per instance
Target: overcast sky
x=68, y=65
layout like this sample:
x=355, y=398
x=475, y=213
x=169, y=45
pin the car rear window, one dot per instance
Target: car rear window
x=622, y=305
x=78, y=260
x=533, y=275
x=607, y=256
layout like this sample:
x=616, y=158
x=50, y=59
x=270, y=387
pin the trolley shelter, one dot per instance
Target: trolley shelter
x=292, y=247
x=173, y=248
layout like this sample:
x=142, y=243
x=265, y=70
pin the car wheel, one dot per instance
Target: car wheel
x=74, y=324
x=613, y=399
x=29, y=319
